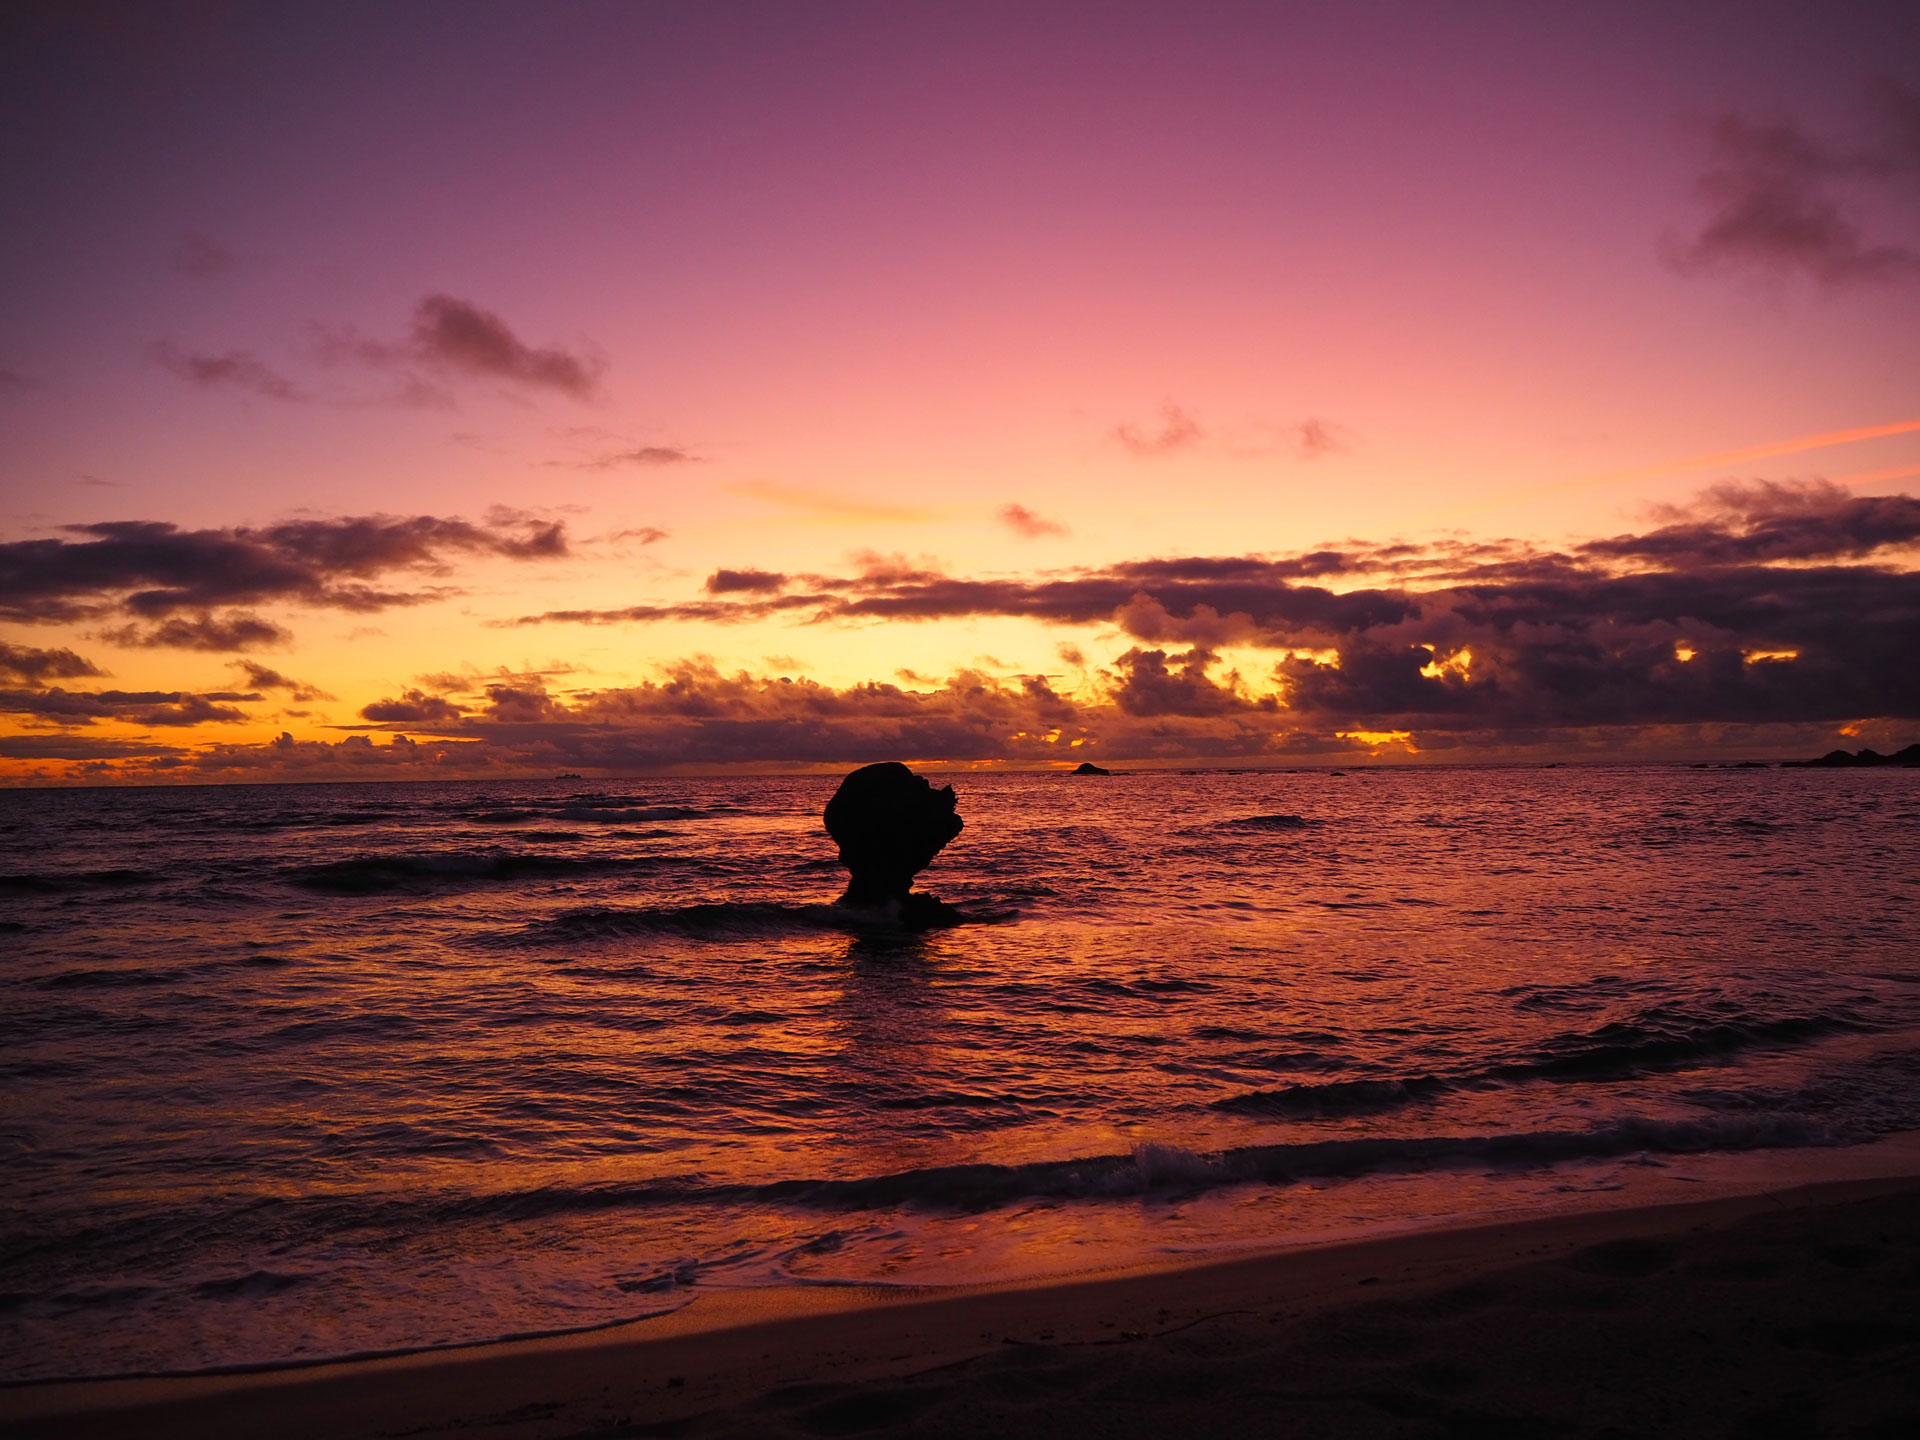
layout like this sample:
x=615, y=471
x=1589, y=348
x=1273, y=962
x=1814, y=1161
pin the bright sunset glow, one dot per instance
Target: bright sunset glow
x=642, y=387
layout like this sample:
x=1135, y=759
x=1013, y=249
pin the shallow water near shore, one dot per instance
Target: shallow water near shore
x=296, y=1071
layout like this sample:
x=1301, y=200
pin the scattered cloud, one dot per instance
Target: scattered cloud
x=260, y=677
x=460, y=335
x=413, y=707
x=140, y=707
x=64, y=745
x=1312, y=438
x=645, y=456
x=152, y=571
x=1785, y=201
x=1022, y=521
x=235, y=370
x=454, y=336
x=199, y=258
x=473, y=682
x=751, y=582
x=231, y=632
x=715, y=612
x=1309, y=439
x=25, y=664
x=1178, y=431
x=645, y=534
x=1766, y=521
x=1145, y=685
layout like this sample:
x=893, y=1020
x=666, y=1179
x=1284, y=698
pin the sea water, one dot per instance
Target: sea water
x=302, y=1071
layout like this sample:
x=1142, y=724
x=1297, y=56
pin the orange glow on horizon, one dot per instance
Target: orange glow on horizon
x=1379, y=737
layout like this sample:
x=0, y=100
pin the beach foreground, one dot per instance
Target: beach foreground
x=1786, y=1313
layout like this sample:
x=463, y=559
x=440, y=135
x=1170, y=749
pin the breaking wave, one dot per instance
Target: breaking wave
x=1147, y=1170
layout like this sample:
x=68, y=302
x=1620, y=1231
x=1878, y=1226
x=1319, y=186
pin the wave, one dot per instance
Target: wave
x=1266, y=822
x=715, y=920
x=129, y=978
x=1657, y=1040
x=383, y=874
x=1674, y=829
x=356, y=817
x=1150, y=1170
x=1336, y=1098
x=253, y=1285
x=1585, y=995
x=1847, y=1106
x=597, y=813
x=61, y=881
x=1666, y=1038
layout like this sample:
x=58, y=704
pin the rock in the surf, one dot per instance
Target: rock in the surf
x=889, y=824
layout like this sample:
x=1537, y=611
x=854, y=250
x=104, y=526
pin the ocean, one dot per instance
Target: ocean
x=294, y=1072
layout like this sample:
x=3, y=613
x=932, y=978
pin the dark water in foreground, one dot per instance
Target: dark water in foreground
x=298, y=1071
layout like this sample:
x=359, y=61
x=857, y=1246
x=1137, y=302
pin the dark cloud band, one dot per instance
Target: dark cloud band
x=150, y=572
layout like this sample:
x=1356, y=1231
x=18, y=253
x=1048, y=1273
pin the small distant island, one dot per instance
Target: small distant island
x=567, y=775
x=1087, y=767
x=1838, y=759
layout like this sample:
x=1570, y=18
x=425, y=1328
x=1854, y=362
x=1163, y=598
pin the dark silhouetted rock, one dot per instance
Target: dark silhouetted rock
x=1087, y=767
x=1842, y=759
x=889, y=824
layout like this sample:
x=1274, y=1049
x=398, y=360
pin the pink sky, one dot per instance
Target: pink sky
x=788, y=288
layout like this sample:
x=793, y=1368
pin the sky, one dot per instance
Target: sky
x=489, y=389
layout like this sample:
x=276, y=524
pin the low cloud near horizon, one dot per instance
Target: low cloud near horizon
x=1764, y=610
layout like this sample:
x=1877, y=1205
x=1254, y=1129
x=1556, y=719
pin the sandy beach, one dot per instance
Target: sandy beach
x=1793, y=1312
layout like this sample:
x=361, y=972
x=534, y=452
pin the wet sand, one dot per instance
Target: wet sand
x=1776, y=1314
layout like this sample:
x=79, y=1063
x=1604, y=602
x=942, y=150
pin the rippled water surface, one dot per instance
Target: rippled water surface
x=294, y=1071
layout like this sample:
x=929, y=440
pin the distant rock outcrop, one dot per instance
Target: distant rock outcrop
x=1087, y=767
x=889, y=824
x=1842, y=759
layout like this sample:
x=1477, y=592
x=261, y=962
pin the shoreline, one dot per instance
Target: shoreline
x=725, y=1347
